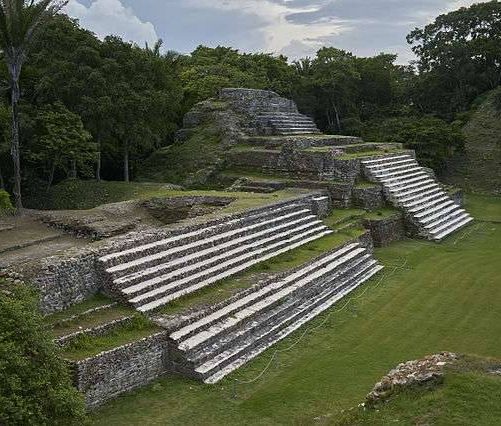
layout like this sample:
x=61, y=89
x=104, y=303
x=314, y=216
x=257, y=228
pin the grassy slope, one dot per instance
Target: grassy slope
x=176, y=162
x=479, y=170
x=469, y=395
x=445, y=297
x=80, y=195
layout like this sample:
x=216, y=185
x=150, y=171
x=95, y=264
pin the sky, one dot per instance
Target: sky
x=295, y=28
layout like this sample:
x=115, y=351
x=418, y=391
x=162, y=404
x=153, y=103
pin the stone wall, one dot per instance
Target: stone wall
x=71, y=278
x=109, y=374
x=251, y=101
x=64, y=281
x=75, y=276
x=386, y=230
x=369, y=198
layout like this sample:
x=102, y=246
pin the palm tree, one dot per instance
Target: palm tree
x=20, y=21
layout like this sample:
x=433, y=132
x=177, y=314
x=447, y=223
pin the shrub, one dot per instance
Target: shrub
x=5, y=204
x=35, y=387
x=496, y=100
x=433, y=139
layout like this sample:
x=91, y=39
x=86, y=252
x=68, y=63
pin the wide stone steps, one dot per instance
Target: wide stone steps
x=159, y=272
x=241, y=251
x=286, y=124
x=409, y=187
x=233, y=225
x=208, y=245
x=231, y=335
x=164, y=293
x=213, y=252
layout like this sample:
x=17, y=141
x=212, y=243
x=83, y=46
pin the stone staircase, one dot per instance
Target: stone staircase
x=154, y=274
x=238, y=330
x=285, y=123
x=411, y=187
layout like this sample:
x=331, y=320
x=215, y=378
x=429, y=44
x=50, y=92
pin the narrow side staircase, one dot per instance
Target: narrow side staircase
x=410, y=187
x=232, y=334
x=286, y=123
x=152, y=275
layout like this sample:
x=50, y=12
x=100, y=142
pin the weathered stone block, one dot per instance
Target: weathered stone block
x=385, y=231
x=369, y=198
x=109, y=374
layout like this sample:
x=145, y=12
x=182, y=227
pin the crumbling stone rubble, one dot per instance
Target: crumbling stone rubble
x=428, y=370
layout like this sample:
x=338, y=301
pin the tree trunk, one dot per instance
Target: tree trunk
x=15, y=72
x=2, y=183
x=98, y=159
x=338, y=120
x=51, y=175
x=73, y=169
x=126, y=162
x=98, y=166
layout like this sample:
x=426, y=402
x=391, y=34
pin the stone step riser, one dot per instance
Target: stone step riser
x=274, y=314
x=292, y=124
x=204, y=232
x=454, y=228
x=446, y=223
x=405, y=182
x=338, y=258
x=217, y=255
x=401, y=198
x=309, y=311
x=439, y=215
x=385, y=160
x=297, y=132
x=403, y=189
x=171, y=289
x=423, y=200
x=228, y=273
x=428, y=208
x=288, y=291
x=216, y=244
x=400, y=173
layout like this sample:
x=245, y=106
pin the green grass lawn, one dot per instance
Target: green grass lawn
x=469, y=395
x=87, y=194
x=430, y=298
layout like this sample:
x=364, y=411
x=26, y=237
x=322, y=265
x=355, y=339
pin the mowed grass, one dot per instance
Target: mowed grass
x=430, y=298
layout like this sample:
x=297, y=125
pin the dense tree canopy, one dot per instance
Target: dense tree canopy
x=459, y=57
x=35, y=388
x=131, y=100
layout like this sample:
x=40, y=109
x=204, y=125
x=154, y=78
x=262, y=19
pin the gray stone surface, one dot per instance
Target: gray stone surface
x=109, y=374
x=251, y=101
x=387, y=230
x=369, y=198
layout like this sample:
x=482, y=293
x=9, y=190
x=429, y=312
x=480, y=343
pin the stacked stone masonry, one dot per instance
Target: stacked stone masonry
x=411, y=188
x=109, y=374
x=232, y=334
x=268, y=113
x=154, y=274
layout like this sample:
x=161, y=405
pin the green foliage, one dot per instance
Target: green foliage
x=128, y=98
x=468, y=396
x=35, y=387
x=5, y=203
x=429, y=298
x=459, y=57
x=180, y=161
x=433, y=139
x=496, y=100
x=85, y=345
x=62, y=142
x=207, y=70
